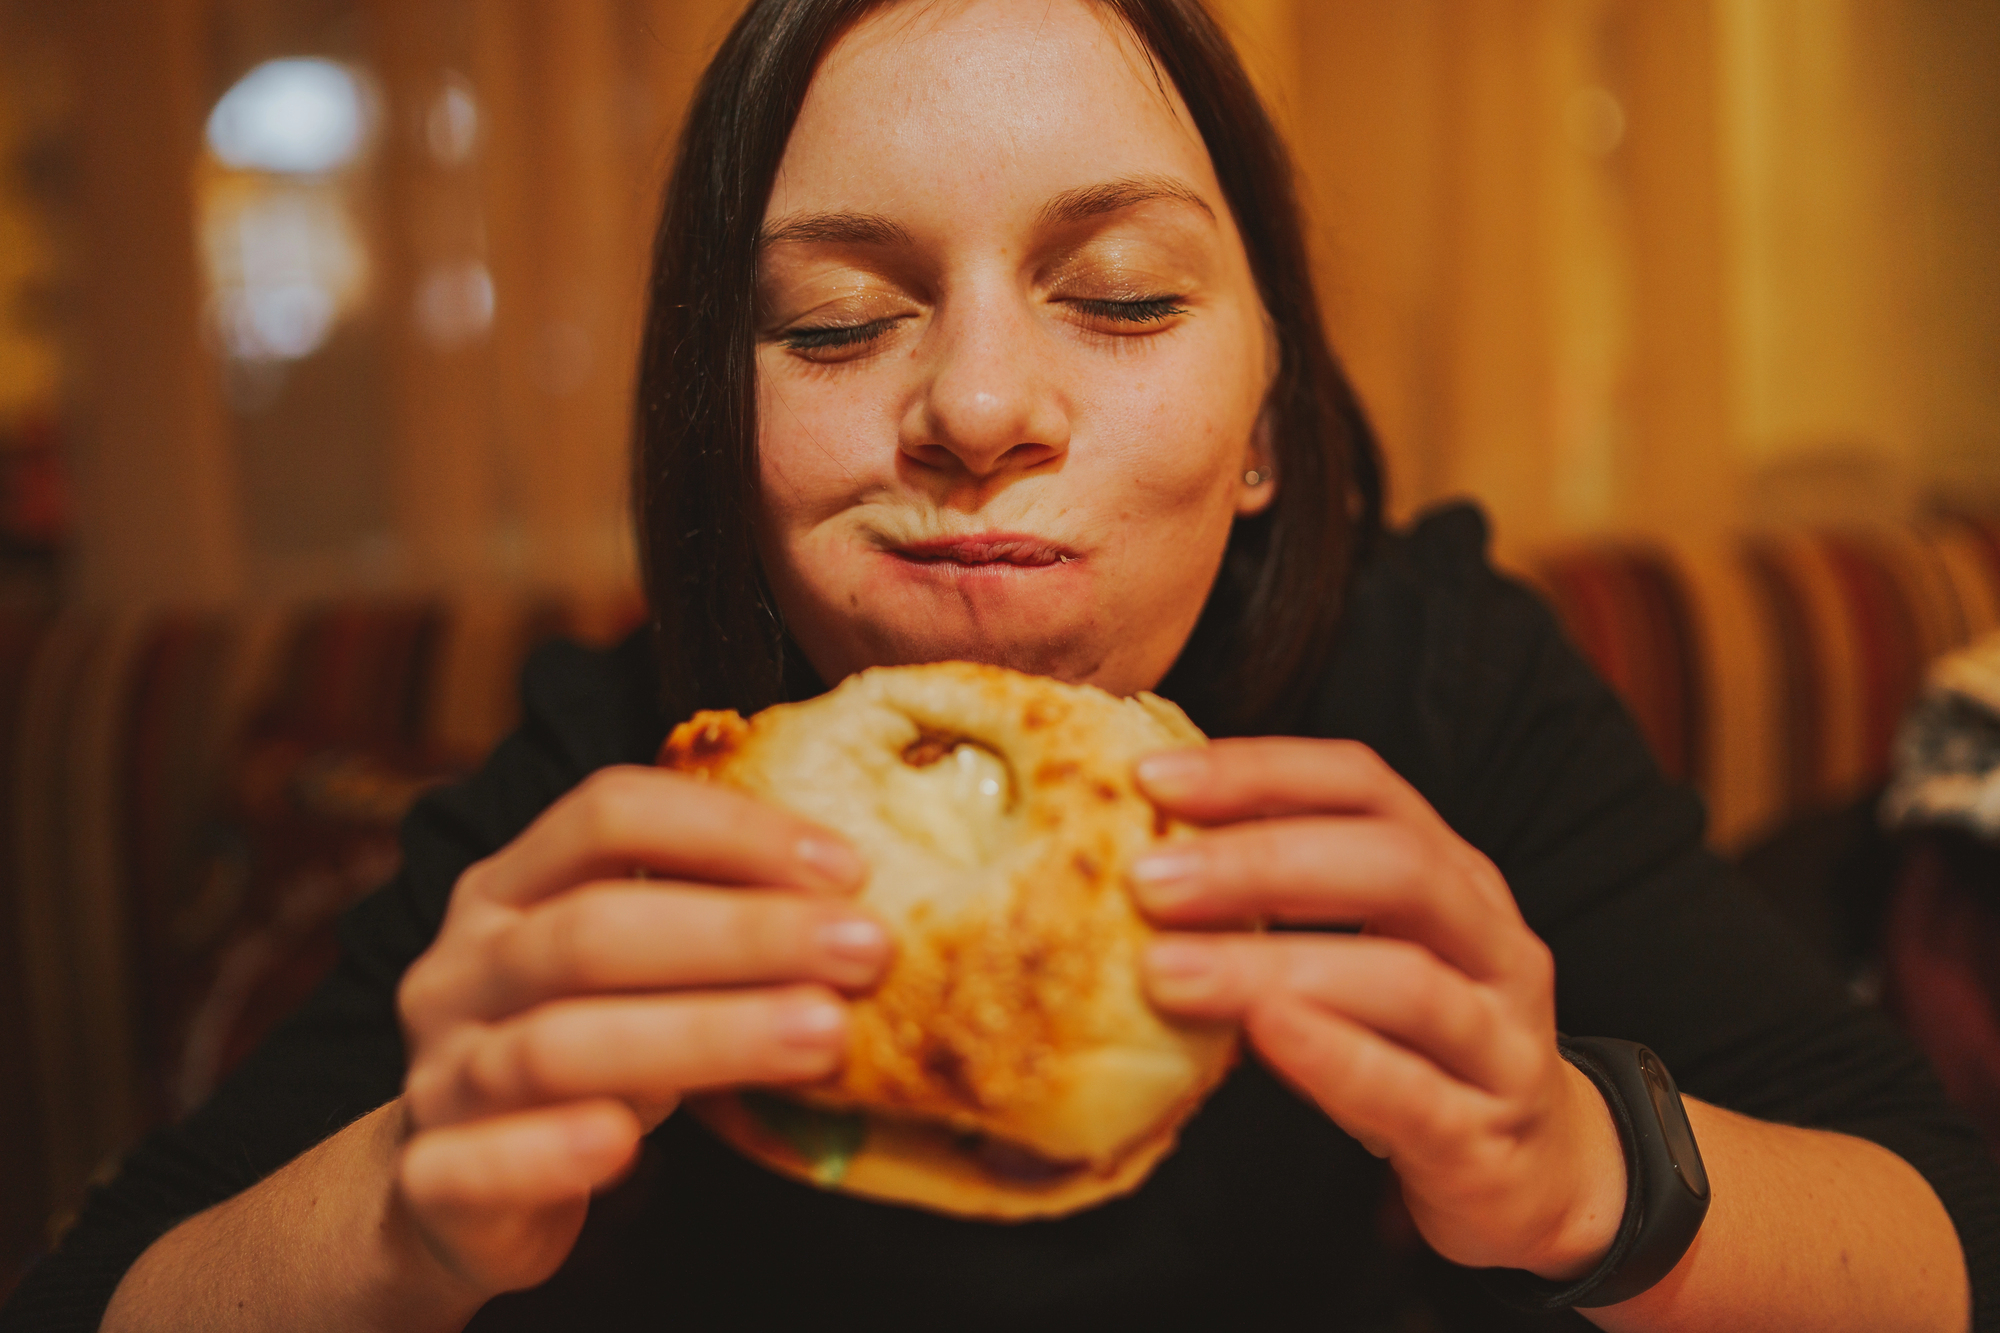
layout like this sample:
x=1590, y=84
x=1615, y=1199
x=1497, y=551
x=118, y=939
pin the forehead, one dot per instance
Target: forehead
x=987, y=102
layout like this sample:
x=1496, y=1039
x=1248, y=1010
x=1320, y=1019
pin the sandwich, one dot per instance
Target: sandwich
x=1008, y=1066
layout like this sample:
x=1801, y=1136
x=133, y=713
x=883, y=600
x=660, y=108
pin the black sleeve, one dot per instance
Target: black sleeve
x=341, y=1055
x=1534, y=760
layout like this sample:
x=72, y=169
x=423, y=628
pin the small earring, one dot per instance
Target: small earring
x=1254, y=477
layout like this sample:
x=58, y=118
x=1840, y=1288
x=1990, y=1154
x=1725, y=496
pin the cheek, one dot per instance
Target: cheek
x=1175, y=435
x=816, y=449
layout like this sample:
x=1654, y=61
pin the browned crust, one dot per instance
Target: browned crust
x=704, y=742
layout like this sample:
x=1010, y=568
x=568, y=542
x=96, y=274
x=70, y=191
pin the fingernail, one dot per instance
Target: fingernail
x=1163, y=878
x=813, y=1023
x=857, y=939
x=834, y=860
x=1178, y=971
x=1173, y=772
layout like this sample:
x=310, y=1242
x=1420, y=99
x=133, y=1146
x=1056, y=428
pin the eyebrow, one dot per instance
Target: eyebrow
x=835, y=229
x=1089, y=201
x=1071, y=206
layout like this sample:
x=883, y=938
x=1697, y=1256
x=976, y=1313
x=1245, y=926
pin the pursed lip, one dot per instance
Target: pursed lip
x=1018, y=549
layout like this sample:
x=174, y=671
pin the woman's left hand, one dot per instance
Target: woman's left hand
x=1430, y=1035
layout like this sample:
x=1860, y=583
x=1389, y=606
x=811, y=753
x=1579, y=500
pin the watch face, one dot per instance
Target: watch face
x=1673, y=1121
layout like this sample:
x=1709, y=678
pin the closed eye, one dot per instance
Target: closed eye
x=1151, y=310
x=828, y=337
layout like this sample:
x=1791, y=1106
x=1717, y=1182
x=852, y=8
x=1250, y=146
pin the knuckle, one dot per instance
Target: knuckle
x=1428, y=1001
x=1300, y=972
x=442, y=1085
x=755, y=931
x=1362, y=755
x=1537, y=962
x=1296, y=852
x=423, y=995
x=554, y=948
x=414, y=993
x=612, y=801
x=718, y=1037
x=527, y=1063
x=601, y=811
x=424, y=1091
x=738, y=820
x=1442, y=1121
x=1471, y=1028
x=417, y=1175
x=1407, y=859
x=751, y=823
x=1360, y=759
x=1278, y=1021
x=1226, y=859
x=475, y=879
x=1405, y=957
x=619, y=780
x=1485, y=1018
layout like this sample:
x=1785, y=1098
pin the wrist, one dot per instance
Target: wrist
x=1587, y=1220
x=320, y=1243
x=416, y=1286
x=1667, y=1194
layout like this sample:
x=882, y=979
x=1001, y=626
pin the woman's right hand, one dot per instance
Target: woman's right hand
x=648, y=936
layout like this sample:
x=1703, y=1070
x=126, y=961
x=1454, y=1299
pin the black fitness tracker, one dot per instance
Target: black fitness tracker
x=1666, y=1187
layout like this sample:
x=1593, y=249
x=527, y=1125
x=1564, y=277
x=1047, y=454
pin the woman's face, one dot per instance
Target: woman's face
x=1011, y=359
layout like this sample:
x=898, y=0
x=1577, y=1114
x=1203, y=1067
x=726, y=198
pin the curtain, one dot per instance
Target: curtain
x=1625, y=266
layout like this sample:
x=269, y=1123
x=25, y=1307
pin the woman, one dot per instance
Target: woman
x=981, y=329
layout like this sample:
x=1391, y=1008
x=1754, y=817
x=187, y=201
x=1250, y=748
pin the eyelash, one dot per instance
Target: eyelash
x=827, y=337
x=830, y=337
x=1151, y=310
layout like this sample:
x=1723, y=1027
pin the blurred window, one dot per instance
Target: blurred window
x=289, y=189
x=301, y=116
x=281, y=244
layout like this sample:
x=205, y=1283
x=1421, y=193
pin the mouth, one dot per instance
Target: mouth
x=986, y=550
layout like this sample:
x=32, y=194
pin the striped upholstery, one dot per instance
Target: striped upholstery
x=189, y=800
x=1771, y=671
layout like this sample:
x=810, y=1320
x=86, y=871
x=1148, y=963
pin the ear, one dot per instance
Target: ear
x=1257, y=485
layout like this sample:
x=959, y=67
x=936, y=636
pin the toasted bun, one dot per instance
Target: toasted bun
x=1009, y=1065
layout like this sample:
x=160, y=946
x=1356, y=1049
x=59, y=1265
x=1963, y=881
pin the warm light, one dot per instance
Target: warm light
x=452, y=125
x=285, y=263
x=297, y=116
x=455, y=303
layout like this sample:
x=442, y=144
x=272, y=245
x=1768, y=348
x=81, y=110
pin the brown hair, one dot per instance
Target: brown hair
x=1265, y=632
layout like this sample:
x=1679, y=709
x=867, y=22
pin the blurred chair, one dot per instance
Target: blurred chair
x=189, y=802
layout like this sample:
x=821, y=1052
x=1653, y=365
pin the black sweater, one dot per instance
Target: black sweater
x=1267, y=1215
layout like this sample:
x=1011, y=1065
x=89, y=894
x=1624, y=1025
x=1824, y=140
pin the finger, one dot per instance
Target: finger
x=525, y=1160
x=1390, y=1098
x=1339, y=871
x=638, y=1049
x=627, y=936
x=630, y=816
x=1392, y=987
x=1269, y=776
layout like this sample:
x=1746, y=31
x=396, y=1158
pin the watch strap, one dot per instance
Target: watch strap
x=1666, y=1186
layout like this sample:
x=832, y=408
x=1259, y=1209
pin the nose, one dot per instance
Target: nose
x=991, y=404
